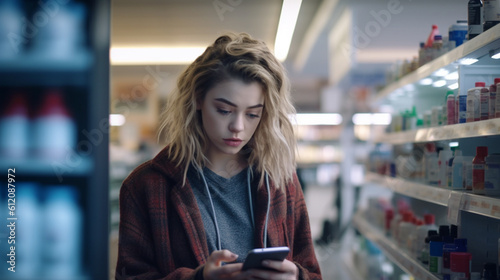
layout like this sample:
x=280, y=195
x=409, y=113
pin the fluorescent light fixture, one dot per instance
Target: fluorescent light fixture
x=495, y=54
x=440, y=83
x=316, y=119
x=288, y=19
x=426, y=81
x=371, y=119
x=453, y=144
x=453, y=86
x=144, y=55
x=116, y=119
x=467, y=61
x=441, y=72
x=452, y=76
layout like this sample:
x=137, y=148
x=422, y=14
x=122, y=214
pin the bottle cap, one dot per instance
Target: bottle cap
x=482, y=151
x=489, y=271
x=454, y=231
x=17, y=106
x=434, y=26
x=444, y=230
x=496, y=81
x=438, y=37
x=429, y=219
x=450, y=92
x=432, y=232
x=480, y=84
x=53, y=104
x=407, y=216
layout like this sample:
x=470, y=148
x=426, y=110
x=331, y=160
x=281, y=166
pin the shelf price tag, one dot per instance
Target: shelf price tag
x=455, y=204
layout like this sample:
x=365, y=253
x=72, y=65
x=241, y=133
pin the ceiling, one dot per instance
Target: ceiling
x=173, y=23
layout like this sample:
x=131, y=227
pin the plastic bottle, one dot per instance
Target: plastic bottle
x=460, y=265
x=411, y=119
x=425, y=250
x=493, y=98
x=430, y=39
x=458, y=32
x=423, y=230
x=62, y=232
x=450, y=107
x=468, y=172
x=473, y=102
x=484, y=100
x=431, y=165
x=437, y=46
x=478, y=166
x=491, y=13
x=492, y=175
x=462, y=106
x=53, y=128
x=412, y=243
x=404, y=229
x=28, y=242
x=457, y=169
x=443, y=162
x=14, y=128
x=475, y=18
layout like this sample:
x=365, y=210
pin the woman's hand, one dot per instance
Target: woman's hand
x=214, y=269
x=285, y=270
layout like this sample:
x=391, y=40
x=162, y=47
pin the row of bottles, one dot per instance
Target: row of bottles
x=55, y=29
x=47, y=229
x=442, y=166
x=438, y=248
x=476, y=104
x=47, y=131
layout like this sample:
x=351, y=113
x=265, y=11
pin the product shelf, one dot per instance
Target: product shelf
x=391, y=250
x=77, y=166
x=457, y=200
x=440, y=133
x=476, y=48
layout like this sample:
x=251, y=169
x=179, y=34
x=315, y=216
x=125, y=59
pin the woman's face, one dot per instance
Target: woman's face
x=230, y=113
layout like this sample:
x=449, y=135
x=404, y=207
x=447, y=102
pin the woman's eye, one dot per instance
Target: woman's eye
x=223, y=112
x=254, y=116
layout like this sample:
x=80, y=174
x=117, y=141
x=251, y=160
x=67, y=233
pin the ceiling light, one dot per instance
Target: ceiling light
x=453, y=144
x=286, y=26
x=371, y=119
x=452, y=76
x=426, y=81
x=145, y=55
x=116, y=120
x=467, y=61
x=441, y=72
x=453, y=86
x=316, y=119
x=495, y=54
x=440, y=83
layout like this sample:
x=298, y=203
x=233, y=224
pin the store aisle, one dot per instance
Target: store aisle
x=331, y=257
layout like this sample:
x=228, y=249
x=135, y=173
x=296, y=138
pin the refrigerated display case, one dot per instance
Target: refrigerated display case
x=54, y=123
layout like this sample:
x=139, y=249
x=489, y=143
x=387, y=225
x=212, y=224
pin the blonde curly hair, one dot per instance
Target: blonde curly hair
x=233, y=56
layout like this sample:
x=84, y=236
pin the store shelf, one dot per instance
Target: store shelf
x=459, y=200
x=77, y=166
x=440, y=133
x=476, y=48
x=391, y=250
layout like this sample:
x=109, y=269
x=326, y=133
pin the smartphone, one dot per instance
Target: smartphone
x=256, y=256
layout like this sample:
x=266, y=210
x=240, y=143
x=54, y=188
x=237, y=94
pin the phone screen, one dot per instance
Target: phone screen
x=256, y=256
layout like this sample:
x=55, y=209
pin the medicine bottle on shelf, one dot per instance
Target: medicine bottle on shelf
x=478, y=166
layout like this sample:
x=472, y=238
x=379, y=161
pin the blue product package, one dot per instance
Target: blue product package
x=462, y=108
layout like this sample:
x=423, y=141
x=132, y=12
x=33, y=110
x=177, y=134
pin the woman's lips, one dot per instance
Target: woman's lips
x=233, y=142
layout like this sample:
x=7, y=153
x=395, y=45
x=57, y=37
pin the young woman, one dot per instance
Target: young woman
x=225, y=183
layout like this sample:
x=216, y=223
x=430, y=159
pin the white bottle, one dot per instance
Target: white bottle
x=484, y=101
x=54, y=131
x=443, y=161
x=473, y=102
x=457, y=170
x=28, y=242
x=404, y=230
x=467, y=162
x=432, y=167
x=14, y=128
x=62, y=233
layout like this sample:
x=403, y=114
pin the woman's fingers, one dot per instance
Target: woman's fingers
x=222, y=256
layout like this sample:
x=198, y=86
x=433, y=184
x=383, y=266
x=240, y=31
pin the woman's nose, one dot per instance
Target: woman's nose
x=236, y=124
